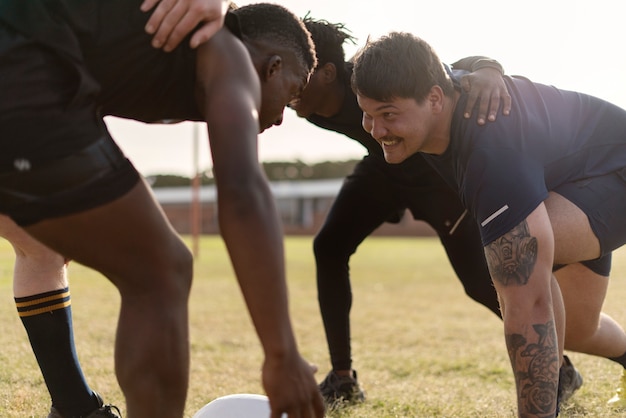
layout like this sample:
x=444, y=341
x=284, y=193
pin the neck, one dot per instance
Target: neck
x=334, y=100
x=439, y=140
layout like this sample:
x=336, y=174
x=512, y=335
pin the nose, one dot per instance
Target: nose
x=279, y=120
x=376, y=130
x=294, y=103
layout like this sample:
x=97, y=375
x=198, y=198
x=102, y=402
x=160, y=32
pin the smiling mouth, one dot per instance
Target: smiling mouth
x=388, y=142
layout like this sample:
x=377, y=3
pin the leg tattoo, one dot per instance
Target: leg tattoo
x=536, y=369
x=512, y=257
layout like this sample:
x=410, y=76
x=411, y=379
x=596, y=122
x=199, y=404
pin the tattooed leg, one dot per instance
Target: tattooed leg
x=512, y=257
x=537, y=370
x=530, y=331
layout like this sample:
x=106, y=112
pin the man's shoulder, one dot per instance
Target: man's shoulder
x=223, y=56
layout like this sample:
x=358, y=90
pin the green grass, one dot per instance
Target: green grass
x=421, y=347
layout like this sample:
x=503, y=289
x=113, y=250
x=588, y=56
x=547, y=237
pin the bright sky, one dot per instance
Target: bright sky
x=572, y=44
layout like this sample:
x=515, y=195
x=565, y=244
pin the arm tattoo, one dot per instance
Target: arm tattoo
x=512, y=257
x=536, y=368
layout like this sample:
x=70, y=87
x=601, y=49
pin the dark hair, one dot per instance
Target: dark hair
x=329, y=39
x=277, y=24
x=398, y=65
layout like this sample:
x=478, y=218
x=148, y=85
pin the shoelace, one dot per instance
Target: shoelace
x=110, y=408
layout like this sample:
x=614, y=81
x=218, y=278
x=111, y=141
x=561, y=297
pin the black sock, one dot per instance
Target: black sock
x=621, y=360
x=47, y=318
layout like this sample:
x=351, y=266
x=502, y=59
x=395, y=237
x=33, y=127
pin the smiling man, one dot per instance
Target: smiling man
x=547, y=188
x=377, y=192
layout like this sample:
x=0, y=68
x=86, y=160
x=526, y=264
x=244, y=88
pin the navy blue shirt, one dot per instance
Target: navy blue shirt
x=503, y=170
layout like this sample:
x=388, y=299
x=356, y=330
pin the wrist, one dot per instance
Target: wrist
x=487, y=63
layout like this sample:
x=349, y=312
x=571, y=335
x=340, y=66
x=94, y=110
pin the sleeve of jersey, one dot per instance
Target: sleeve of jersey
x=501, y=188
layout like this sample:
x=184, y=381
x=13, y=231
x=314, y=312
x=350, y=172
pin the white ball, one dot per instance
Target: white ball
x=242, y=405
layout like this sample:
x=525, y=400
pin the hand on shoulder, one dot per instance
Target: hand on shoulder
x=172, y=20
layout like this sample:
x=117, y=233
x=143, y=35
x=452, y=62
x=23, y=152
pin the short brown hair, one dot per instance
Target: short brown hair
x=398, y=65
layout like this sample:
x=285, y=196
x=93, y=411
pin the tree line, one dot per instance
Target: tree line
x=275, y=171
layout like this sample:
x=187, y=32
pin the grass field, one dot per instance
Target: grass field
x=422, y=348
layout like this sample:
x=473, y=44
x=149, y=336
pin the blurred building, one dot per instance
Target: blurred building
x=302, y=205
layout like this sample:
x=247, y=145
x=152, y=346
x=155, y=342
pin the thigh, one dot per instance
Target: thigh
x=25, y=245
x=589, y=215
x=37, y=268
x=128, y=239
x=574, y=240
x=583, y=293
x=10, y=231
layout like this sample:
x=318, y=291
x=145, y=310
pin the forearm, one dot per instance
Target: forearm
x=251, y=230
x=475, y=63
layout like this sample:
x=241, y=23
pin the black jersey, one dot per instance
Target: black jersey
x=131, y=78
x=141, y=82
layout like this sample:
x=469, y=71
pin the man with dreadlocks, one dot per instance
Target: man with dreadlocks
x=378, y=192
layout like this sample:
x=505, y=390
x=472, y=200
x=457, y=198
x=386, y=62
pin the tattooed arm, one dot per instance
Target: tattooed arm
x=520, y=263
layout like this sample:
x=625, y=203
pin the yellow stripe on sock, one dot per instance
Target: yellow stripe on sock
x=45, y=309
x=42, y=300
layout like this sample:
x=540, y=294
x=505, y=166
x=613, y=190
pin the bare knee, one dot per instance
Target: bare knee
x=179, y=277
x=163, y=276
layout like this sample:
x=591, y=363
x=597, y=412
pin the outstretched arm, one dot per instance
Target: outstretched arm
x=484, y=84
x=172, y=20
x=520, y=263
x=229, y=98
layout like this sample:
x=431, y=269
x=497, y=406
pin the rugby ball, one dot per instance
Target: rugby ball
x=241, y=405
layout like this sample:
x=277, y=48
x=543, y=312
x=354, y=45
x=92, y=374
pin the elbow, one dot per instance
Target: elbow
x=244, y=197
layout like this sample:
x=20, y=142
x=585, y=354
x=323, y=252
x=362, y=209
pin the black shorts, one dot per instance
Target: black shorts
x=601, y=266
x=56, y=155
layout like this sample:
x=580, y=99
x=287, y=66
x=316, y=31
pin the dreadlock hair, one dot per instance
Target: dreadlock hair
x=277, y=24
x=329, y=39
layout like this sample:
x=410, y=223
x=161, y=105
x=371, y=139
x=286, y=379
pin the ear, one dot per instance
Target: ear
x=328, y=72
x=273, y=66
x=436, y=99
